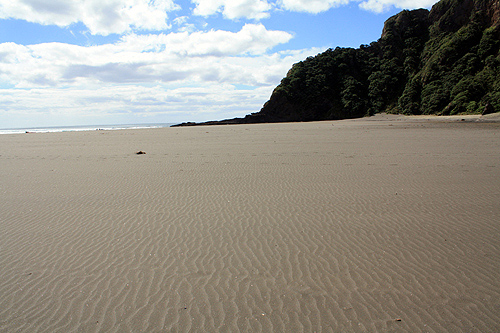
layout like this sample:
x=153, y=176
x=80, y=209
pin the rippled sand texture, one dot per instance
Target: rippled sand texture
x=388, y=225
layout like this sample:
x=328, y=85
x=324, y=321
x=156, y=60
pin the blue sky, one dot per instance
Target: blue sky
x=80, y=62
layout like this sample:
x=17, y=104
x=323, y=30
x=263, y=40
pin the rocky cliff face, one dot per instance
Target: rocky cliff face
x=399, y=24
x=451, y=15
x=443, y=61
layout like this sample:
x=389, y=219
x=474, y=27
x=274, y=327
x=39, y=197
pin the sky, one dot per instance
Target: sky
x=89, y=62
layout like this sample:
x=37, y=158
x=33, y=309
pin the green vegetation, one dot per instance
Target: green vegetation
x=442, y=62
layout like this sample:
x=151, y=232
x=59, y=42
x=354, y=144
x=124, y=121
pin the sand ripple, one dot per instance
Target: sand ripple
x=345, y=226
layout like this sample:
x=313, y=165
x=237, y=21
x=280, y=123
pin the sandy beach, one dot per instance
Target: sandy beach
x=384, y=224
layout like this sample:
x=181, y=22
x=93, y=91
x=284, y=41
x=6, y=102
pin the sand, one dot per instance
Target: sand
x=382, y=224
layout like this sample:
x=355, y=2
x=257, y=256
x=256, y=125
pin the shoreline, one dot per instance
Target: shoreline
x=80, y=128
x=380, y=116
x=494, y=117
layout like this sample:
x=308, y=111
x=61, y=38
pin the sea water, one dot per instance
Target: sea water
x=81, y=128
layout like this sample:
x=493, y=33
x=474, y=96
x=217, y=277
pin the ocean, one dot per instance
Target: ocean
x=81, y=128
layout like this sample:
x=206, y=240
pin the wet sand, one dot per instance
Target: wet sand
x=382, y=224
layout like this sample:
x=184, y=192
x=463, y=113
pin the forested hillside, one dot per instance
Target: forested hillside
x=445, y=61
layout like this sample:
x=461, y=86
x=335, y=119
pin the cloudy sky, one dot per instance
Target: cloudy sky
x=83, y=62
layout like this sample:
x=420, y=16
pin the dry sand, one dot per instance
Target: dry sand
x=381, y=224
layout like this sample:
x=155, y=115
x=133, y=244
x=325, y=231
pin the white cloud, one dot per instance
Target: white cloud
x=128, y=103
x=218, y=55
x=258, y=9
x=183, y=76
x=233, y=9
x=102, y=17
x=311, y=6
x=379, y=6
x=131, y=103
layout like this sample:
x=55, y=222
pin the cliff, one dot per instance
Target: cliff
x=445, y=61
